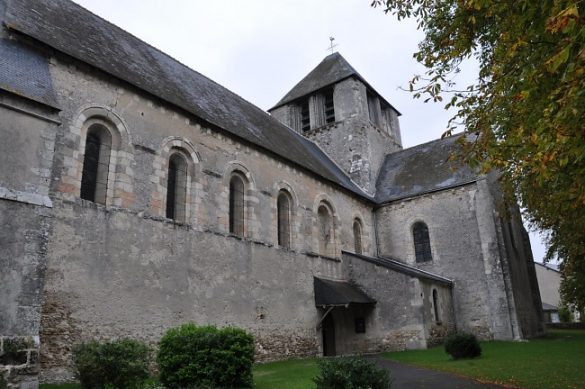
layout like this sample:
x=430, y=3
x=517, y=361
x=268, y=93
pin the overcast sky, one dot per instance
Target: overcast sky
x=260, y=49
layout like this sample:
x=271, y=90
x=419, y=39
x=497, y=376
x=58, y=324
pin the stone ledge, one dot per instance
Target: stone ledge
x=25, y=197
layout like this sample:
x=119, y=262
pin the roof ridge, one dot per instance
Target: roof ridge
x=139, y=39
x=547, y=266
x=429, y=142
x=173, y=58
x=336, y=56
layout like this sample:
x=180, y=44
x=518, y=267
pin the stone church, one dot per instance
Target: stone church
x=137, y=194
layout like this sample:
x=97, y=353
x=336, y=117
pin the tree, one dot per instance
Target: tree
x=527, y=106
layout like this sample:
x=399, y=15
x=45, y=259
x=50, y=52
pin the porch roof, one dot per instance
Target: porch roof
x=338, y=293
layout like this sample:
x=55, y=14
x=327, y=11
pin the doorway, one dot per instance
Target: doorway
x=328, y=331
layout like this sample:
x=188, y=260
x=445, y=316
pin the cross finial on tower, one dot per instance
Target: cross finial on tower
x=331, y=45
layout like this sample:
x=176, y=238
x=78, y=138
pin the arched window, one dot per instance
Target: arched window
x=177, y=187
x=325, y=231
x=422, y=242
x=357, y=236
x=436, y=306
x=96, y=163
x=283, y=209
x=236, y=216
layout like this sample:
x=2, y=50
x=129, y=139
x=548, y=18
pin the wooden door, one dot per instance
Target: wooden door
x=328, y=331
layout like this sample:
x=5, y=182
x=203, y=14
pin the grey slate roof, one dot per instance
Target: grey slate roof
x=548, y=266
x=421, y=169
x=71, y=29
x=401, y=267
x=332, y=69
x=26, y=73
x=549, y=307
x=328, y=293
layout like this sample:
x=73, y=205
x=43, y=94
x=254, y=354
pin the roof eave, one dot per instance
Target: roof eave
x=401, y=268
x=382, y=203
x=355, y=75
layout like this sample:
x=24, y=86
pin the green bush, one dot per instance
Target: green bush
x=190, y=356
x=351, y=373
x=462, y=345
x=564, y=314
x=117, y=364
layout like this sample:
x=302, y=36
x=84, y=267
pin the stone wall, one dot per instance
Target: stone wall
x=352, y=141
x=19, y=361
x=124, y=269
x=437, y=328
x=115, y=273
x=464, y=248
x=26, y=154
x=397, y=321
x=147, y=129
x=517, y=257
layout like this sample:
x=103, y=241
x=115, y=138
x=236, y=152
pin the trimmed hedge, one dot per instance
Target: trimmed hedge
x=190, y=356
x=117, y=364
x=462, y=345
x=351, y=373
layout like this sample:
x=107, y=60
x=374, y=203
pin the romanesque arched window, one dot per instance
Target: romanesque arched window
x=422, y=242
x=436, y=306
x=177, y=187
x=283, y=211
x=357, y=236
x=326, y=231
x=96, y=163
x=236, y=216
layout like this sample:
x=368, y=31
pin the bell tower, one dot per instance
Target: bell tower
x=336, y=108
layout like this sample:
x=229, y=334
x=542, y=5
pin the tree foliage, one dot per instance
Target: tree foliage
x=527, y=105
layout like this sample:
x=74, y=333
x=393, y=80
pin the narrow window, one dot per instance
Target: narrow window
x=357, y=236
x=325, y=230
x=96, y=162
x=305, y=118
x=177, y=187
x=283, y=214
x=329, y=108
x=422, y=242
x=373, y=108
x=236, y=205
x=436, y=306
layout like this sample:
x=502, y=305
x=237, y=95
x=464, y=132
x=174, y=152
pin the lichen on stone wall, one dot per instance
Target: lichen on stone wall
x=275, y=346
x=59, y=332
x=438, y=333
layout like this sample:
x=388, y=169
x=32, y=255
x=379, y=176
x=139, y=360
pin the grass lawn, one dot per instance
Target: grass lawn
x=557, y=361
x=290, y=374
